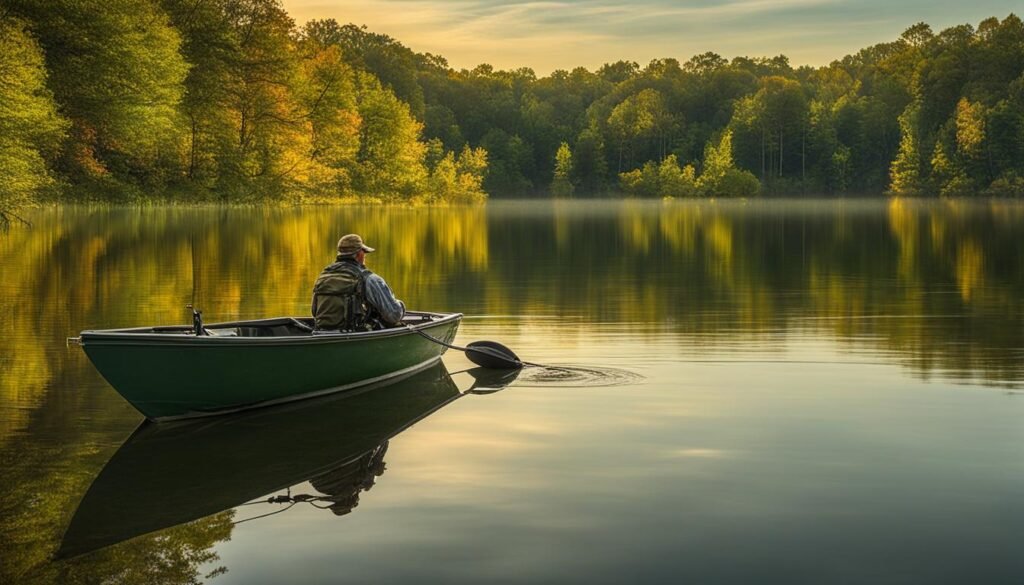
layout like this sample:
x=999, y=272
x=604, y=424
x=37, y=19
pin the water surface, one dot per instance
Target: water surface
x=815, y=391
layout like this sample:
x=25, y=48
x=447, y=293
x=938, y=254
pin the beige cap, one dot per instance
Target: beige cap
x=351, y=244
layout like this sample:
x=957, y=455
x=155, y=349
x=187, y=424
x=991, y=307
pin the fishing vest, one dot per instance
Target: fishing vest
x=339, y=298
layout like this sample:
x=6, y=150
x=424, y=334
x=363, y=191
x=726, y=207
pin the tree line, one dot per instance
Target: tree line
x=926, y=114
x=204, y=99
x=231, y=100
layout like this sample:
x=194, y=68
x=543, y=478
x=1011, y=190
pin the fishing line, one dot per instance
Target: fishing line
x=289, y=507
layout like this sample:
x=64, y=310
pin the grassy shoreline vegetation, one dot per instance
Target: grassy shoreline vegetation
x=232, y=101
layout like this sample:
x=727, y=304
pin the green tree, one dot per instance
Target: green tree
x=327, y=96
x=619, y=71
x=589, y=164
x=250, y=124
x=643, y=182
x=720, y=177
x=971, y=120
x=118, y=81
x=674, y=181
x=639, y=116
x=773, y=124
x=906, y=168
x=511, y=163
x=562, y=185
x=1006, y=131
x=30, y=127
x=717, y=162
x=459, y=179
x=391, y=156
x=387, y=59
x=664, y=179
x=272, y=144
x=947, y=172
x=211, y=44
x=970, y=128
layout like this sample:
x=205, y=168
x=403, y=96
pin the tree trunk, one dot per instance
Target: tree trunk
x=192, y=149
x=803, y=155
x=780, y=152
x=989, y=163
x=762, y=155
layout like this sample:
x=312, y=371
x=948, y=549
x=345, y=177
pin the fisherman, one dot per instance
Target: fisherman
x=348, y=297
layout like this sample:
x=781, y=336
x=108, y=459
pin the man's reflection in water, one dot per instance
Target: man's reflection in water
x=165, y=476
x=339, y=487
x=342, y=486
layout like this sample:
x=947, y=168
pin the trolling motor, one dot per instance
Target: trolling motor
x=197, y=321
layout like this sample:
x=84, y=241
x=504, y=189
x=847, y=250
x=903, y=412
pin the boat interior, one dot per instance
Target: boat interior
x=276, y=327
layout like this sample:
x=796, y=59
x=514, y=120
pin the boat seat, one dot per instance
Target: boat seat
x=222, y=332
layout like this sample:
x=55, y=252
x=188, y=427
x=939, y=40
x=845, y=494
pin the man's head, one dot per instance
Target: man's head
x=352, y=246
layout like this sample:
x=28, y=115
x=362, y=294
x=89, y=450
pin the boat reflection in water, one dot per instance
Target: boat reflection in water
x=169, y=474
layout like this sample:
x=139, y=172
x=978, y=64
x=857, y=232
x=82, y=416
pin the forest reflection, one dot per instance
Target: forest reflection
x=936, y=284
x=725, y=270
x=933, y=285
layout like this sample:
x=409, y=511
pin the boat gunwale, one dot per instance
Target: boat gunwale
x=145, y=336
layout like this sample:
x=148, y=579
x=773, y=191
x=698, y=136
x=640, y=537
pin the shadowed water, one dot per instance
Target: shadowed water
x=769, y=391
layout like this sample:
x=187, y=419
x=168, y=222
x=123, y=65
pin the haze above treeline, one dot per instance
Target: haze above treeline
x=231, y=100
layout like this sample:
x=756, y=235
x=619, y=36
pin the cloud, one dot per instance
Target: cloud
x=692, y=453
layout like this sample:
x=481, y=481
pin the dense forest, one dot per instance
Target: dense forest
x=231, y=100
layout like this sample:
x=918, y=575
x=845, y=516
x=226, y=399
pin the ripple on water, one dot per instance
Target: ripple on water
x=576, y=377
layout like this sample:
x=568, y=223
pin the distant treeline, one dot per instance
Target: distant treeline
x=231, y=100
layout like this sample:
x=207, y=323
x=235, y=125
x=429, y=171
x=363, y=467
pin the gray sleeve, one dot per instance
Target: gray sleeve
x=379, y=295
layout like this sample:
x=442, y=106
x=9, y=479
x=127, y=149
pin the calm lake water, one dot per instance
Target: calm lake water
x=781, y=392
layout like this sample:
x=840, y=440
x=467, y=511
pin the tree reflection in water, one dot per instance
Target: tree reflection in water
x=937, y=286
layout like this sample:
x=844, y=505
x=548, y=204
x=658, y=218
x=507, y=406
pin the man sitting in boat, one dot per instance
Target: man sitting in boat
x=348, y=297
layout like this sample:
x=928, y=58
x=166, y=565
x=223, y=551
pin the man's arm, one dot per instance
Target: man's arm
x=379, y=295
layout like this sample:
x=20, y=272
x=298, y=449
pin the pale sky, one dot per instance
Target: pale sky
x=562, y=34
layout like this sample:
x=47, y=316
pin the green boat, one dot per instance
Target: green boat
x=171, y=372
